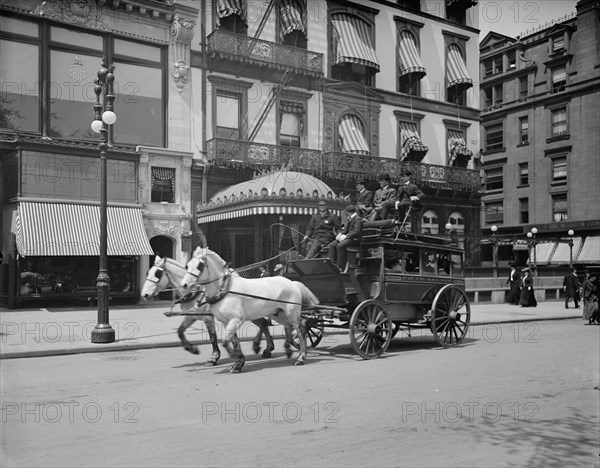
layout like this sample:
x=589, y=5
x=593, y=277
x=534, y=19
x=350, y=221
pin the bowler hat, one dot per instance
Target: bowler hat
x=384, y=177
x=350, y=209
x=278, y=267
x=361, y=181
x=512, y=264
x=406, y=172
x=322, y=202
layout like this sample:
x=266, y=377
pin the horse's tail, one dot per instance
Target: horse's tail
x=308, y=298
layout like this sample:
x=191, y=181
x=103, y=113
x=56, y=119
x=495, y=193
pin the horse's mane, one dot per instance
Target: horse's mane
x=175, y=263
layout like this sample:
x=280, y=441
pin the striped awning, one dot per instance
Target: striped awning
x=227, y=8
x=543, y=252
x=456, y=72
x=351, y=136
x=410, y=61
x=562, y=254
x=353, y=43
x=62, y=229
x=413, y=148
x=517, y=245
x=259, y=210
x=590, y=252
x=457, y=149
x=293, y=17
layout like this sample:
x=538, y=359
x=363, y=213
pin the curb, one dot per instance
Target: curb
x=173, y=344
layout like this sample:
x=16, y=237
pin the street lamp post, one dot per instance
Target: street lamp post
x=531, y=235
x=103, y=332
x=571, y=233
x=494, y=229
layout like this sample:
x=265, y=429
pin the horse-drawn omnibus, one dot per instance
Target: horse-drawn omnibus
x=399, y=280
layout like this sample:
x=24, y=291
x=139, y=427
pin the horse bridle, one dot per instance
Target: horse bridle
x=157, y=278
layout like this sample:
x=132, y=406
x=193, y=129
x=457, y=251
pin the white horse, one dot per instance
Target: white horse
x=234, y=300
x=167, y=273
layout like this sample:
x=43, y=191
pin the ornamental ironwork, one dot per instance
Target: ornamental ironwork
x=248, y=50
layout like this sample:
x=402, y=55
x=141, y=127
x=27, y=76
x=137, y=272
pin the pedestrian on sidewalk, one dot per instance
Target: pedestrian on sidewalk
x=514, y=282
x=590, y=300
x=527, y=298
x=571, y=286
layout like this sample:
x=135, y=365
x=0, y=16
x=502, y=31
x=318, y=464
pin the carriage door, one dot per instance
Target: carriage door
x=163, y=246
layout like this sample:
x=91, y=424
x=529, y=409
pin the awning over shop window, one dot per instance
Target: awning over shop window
x=353, y=41
x=260, y=210
x=460, y=155
x=227, y=8
x=351, y=136
x=543, y=252
x=457, y=73
x=462, y=3
x=562, y=254
x=61, y=229
x=413, y=148
x=519, y=245
x=590, y=252
x=410, y=61
x=293, y=17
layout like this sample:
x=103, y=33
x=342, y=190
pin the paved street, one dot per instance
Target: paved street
x=517, y=394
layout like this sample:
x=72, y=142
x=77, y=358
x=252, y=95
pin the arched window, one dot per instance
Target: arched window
x=430, y=223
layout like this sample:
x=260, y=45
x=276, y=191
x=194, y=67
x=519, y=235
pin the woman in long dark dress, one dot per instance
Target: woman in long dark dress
x=514, y=282
x=527, y=293
x=590, y=300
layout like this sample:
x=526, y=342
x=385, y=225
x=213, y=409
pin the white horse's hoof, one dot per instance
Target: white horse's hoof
x=299, y=363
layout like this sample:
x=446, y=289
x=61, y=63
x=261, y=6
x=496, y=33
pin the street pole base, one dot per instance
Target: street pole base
x=103, y=333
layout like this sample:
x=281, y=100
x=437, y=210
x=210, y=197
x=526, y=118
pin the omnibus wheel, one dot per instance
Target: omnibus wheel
x=450, y=315
x=314, y=333
x=371, y=329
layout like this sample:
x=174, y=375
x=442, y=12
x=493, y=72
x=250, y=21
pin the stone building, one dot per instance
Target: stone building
x=540, y=140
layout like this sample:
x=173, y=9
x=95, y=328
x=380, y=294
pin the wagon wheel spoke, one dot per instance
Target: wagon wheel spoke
x=451, y=315
x=370, y=329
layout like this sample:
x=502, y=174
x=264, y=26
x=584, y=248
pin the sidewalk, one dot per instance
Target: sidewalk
x=64, y=330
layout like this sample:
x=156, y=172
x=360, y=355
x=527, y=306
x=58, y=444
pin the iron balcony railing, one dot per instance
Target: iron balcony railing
x=336, y=164
x=248, y=50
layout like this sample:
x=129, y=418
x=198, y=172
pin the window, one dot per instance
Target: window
x=292, y=23
x=74, y=59
x=523, y=88
x=524, y=210
x=290, y=129
x=523, y=130
x=430, y=223
x=162, y=185
x=559, y=79
x=559, y=121
x=560, y=210
x=228, y=115
x=494, y=179
x=494, y=213
x=456, y=12
x=497, y=65
x=488, y=67
x=511, y=60
x=558, y=44
x=494, y=137
x=524, y=174
x=559, y=169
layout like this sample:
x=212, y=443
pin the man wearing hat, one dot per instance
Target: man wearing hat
x=351, y=235
x=571, y=287
x=264, y=271
x=364, y=198
x=409, y=195
x=384, y=197
x=278, y=270
x=321, y=229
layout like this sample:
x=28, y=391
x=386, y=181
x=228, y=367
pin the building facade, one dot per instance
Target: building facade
x=540, y=141
x=217, y=93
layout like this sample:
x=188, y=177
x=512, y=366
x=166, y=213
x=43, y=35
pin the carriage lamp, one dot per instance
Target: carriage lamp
x=494, y=229
x=104, y=117
x=571, y=233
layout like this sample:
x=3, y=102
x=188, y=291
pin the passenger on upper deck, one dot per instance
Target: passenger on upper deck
x=384, y=197
x=321, y=229
x=351, y=235
x=364, y=199
x=409, y=195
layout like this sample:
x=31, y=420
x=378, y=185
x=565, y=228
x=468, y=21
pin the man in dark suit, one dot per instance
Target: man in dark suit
x=409, y=195
x=571, y=286
x=321, y=229
x=364, y=199
x=351, y=235
x=384, y=197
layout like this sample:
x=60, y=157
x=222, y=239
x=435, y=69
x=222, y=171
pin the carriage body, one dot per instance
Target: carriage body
x=405, y=280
